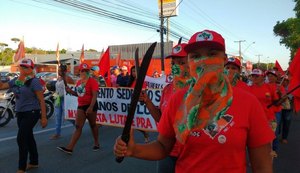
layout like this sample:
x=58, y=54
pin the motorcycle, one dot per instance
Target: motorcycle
x=7, y=108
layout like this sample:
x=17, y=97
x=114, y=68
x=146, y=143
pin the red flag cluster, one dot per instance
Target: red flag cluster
x=104, y=65
x=294, y=71
x=277, y=65
x=82, y=55
x=57, y=54
x=20, y=53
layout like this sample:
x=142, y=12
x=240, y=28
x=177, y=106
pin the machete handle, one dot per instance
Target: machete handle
x=119, y=159
x=125, y=138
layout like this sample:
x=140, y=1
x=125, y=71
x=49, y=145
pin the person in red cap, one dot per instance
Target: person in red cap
x=233, y=68
x=30, y=107
x=213, y=121
x=180, y=73
x=86, y=91
x=280, y=91
x=266, y=94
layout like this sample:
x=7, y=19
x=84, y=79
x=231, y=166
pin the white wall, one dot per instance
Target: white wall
x=5, y=68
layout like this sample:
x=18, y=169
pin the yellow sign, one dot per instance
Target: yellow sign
x=170, y=8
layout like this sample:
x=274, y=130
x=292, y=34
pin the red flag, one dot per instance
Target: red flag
x=295, y=79
x=118, y=59
x=20, y=53
x=104, y=65
x=82, y=55
x=277, y=65
x=57, y=54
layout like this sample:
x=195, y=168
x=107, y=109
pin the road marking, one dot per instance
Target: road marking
x=37, y=132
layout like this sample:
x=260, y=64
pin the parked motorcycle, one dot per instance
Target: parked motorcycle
x=7, y=108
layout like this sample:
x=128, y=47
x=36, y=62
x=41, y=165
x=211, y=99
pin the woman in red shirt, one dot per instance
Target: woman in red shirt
x=86, y=91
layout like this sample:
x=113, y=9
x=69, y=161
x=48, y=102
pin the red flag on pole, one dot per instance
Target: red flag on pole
x=277, y=65
x=104, y=65
x=20, y=53
x=57, y=54
x=82, y=55
x=295, y=79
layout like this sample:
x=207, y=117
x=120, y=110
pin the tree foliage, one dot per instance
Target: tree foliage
x=289, y=30
x=6, y=56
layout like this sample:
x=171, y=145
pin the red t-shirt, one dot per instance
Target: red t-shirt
x=85, y=92
x=242, y=85
x=265, y=94
x=277, y=88
x=225, y=150
x=166, y=94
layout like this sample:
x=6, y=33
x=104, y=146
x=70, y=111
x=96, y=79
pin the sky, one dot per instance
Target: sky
x=43, y=25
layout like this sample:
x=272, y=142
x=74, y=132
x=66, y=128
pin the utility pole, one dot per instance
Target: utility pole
x=168, y=27
x=240, y=52
x=258, y=62
x=162, y=37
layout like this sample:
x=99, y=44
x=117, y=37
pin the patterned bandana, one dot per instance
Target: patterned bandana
x=181, y=76
x=207, y=99
x=232, y=76
x=81, y=89
x=23, y=78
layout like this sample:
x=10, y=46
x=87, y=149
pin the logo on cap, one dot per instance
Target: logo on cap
x=231, y=59
x=204, y=36
x=177, y=49
x=84, y=66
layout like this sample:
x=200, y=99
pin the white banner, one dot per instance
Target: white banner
x=113, y=107
x=156, y=83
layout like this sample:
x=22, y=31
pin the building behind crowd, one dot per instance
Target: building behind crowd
x=47, y=62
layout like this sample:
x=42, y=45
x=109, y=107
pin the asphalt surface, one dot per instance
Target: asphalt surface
x=84, y=159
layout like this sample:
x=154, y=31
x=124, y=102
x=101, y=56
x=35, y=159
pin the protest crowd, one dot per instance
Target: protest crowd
x=210, y=115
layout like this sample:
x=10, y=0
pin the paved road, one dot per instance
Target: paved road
x=85, y=160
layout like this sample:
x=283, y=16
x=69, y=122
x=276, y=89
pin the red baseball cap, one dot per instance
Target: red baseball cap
x=178, y=51
x=84, y=66
x=206, y=38
x=234, y=61
x=273, y=72
x=257, y=72
x=26, y=62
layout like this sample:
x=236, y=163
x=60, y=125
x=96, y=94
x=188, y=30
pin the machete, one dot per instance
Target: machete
x=135, y=96
x=279, y=100
x=179, y=41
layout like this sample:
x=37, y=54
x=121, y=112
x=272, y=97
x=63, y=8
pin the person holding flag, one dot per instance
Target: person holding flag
x=213, y=121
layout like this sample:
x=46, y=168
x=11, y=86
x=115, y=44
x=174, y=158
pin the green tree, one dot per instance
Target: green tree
x=63, y=51
x=6, y=56
x=289, y=30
